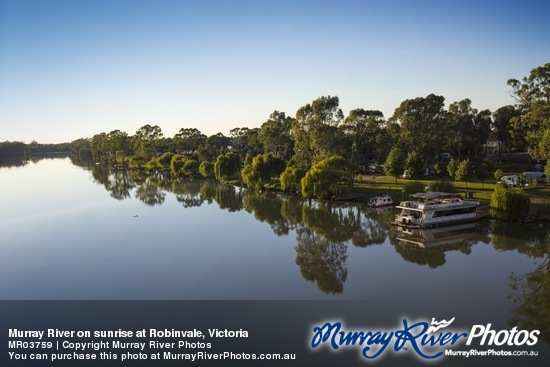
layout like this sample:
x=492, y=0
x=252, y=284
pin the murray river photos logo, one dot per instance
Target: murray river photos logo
x=425, y=340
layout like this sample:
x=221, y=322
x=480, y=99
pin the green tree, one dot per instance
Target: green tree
x=361, y=129
x=463, y=171
x=482, y=130
x=191, y=168
x=176, y=165
x=208, y=153
x=165, y=161
x=315, y=131
x=188, y=140
x=533, y=96
x=440, y=168
x=146, y=140
x=291, y=178
x=509, y=204
x=452, y=167
x=80, y=148
x=395, y=163
x=99, y=147
x=206, y=169
x=544, y=145
x=119, y=143
x=227, y=166
x=502, y=127
x=460, y=121
x=414, y=165
x=275, y=134
x=421, y=119
x=245, y=140
x=262, y=169
x=326, y=177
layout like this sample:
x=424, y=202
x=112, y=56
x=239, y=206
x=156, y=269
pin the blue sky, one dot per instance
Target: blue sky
x=74, y=68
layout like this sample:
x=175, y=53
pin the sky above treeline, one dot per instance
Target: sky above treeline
x=74, y=68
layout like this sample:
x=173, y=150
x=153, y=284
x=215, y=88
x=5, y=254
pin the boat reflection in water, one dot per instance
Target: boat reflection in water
x=425, y=246
x=444, y=236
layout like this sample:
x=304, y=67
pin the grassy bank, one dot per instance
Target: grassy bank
x=371, y=185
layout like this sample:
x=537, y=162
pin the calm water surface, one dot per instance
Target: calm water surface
x=79, y=232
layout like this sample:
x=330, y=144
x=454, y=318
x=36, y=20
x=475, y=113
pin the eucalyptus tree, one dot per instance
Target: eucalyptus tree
x=315, y=131
x=387, y=138
x=119, y=143
x=98, y=146
x=422, y=120
x=220, y=141
x=188, y=140
x=460, y=125
x=482, y=130
x=533, y=96
x=501, y=128
x=275, y=134
x=79, y=148
x=361, y=129
x=414, y=164
x=245, y=140
x=146, y=140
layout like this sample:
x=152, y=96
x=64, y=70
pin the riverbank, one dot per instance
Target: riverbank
x=373, y=185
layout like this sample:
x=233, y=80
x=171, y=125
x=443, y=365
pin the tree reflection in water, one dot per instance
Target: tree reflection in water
x=325, y=229
x=149, y=193
x=321, y=260
x=531, y=291
x=187, y=193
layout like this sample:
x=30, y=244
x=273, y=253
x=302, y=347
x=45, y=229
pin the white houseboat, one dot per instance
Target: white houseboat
x=383, y=200
x=434, y=209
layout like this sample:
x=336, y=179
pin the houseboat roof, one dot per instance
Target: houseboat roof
x=433, y=195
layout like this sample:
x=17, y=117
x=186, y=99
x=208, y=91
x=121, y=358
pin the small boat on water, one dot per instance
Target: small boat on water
x=434, y=209
x=378, y=201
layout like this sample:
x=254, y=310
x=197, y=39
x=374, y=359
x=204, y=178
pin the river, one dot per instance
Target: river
x=84, y=232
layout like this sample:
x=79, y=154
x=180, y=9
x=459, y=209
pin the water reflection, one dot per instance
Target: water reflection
x=428, y=246
x=530, y=291
x=324, y=230
x=533, y=300
x=22, y=160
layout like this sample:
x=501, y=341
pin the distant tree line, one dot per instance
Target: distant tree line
x=17, y=148
x=318, y=151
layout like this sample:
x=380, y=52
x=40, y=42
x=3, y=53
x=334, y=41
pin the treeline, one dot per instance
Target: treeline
x=319, y=150
x=17, y=148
